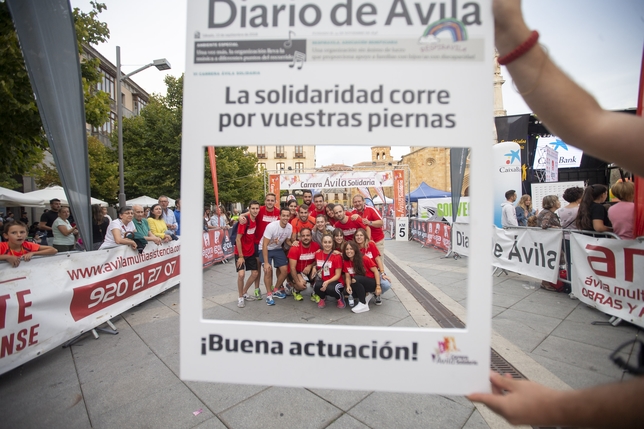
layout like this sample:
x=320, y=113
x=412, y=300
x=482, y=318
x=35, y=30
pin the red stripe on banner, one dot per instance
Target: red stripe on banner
x=639, y=182
x=92, y=298
x=13, y=280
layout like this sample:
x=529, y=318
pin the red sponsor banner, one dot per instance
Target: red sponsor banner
x=213, y=172
x=93, y=298
x=274, y=185
x=399, y=193
x=216, y=246
x=435, y=234
x=639, y=182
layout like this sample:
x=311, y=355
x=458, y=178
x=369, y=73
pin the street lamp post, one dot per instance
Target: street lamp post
x=161, y=64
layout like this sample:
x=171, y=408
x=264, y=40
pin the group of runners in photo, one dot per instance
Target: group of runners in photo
x=316, y=249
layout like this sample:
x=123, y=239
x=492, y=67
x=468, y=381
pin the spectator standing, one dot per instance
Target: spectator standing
x=142, y=226
x=167, y=215
x=275, y=234
x=218, y=220
x=47, y=219
x=104, y=211
x=509, y=214
x=64, y=233
x=547, y=217
x=100, y=223
x=177, y=215
x=592, y=215
x=117, y=229
x=568, y=214
x=23, y=217
x=622, y=214
x=524, y=210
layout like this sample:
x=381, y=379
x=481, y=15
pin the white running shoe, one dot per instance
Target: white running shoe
x=241, y=303
x=368, y=297
x=360, y=308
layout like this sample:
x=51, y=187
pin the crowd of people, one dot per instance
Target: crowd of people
x=316, y=249
x=57, y=232
x=586, y=210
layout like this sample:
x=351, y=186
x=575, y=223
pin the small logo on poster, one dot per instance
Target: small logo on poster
x=447, y=353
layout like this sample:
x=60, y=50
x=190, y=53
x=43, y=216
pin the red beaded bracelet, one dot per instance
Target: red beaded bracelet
x=521, y=49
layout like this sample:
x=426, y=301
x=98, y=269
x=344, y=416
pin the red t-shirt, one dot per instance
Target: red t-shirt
x=304, y=256
x=247, y=234
x=371, y=214
x=27, y=247
x=371, y=250
x=263, y=219
x=314, y=213
x=298, y=225
x=333, y=263
x=350, y=228
x=347, y=267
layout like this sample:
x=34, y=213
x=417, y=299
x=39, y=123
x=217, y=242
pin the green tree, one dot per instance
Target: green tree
x=152, y=154
x=22, y=139
x=152, y=145
x=103, y=172
x=238, y=179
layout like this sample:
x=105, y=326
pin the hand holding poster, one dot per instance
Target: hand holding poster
x=343, y=73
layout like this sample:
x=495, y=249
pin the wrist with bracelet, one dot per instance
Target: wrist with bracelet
x=520, y=50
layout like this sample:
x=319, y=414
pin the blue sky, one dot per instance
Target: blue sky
x=598, y=43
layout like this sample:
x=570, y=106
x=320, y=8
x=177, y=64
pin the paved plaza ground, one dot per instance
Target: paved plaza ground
x=131, y=380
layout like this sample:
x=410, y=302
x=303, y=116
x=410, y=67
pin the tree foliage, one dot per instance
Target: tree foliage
x=152, y=154
x=238, y=179
x=103, y=172
x=22, y=139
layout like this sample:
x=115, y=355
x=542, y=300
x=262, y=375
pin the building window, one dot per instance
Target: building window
x=107, y=85
x=299, y=151
x=280, y=167
x=279, y=152
x=261, y=151
x=107, y=127
x=299, y=167
x=139, y=104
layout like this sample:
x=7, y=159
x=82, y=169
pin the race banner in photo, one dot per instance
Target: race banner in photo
x=435, y=234
x=440, y=209
x=461, y=238
x=48, y=301
x=532, y=252
x=340, y=73
x=608, y=274
x=274, y=184
x=340, y=179
x=217, y=246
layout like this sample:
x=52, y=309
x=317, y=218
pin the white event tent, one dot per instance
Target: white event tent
x=14, y=198
x=146, y=201
x=57, y=192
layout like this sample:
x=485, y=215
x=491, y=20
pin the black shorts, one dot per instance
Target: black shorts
x=257, y=252
x=250, y=263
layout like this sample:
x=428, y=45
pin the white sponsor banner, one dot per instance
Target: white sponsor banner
x=47, y=301
x=531, y=252
x=506, y=175
x=336, y=73
x=608, y=274
x=440, y=209
x=552, y=165
x=567, y=156
x=461, y=238
x=340, y=179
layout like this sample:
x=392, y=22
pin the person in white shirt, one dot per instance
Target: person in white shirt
x=271, y=253
x=509, y=214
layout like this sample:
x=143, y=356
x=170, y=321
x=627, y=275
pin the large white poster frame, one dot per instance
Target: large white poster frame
x=387, y=53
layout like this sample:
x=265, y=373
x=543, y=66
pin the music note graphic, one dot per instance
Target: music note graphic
x=289, y=43
x=298, y=58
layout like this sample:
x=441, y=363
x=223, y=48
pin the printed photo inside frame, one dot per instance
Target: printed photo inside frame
x=379, y=73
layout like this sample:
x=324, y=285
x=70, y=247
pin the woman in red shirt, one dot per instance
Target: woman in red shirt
x=328, y=273
x=368, y=248
x=16, y=249
x=361, y=276
x=338, y=239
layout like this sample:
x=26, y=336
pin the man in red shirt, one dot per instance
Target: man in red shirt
x=348, y=225
x=267, y=213
x=245, y=258
x=300, y=262
x=303, y=220
x=318, y=206
x=307, y=197
x=371, y=218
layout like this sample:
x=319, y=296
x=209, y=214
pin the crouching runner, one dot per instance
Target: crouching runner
x=301, y=259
